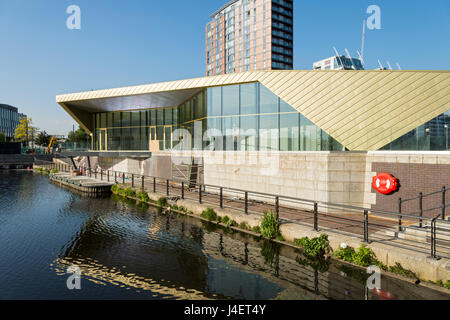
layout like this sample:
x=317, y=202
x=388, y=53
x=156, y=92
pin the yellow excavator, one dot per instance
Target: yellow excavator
x=50, y=145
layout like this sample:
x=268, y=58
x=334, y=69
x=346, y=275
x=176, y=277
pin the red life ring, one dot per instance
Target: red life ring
x=385, y=183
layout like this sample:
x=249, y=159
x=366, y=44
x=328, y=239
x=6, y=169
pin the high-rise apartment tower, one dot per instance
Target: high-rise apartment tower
x=250, y=35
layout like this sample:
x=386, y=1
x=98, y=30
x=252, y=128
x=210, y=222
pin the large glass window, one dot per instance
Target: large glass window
x=231, y=101
x=249, y=99
x=246, y=117
x=433, y=135
x=214, y=96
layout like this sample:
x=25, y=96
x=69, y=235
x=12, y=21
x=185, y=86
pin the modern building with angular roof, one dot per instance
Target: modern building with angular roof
x=273, y=110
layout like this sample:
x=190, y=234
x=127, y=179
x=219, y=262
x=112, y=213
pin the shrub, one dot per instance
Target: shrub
x=345, y=254
x=114, y=188
x=55, y=171
x=162, y=202
x=316, y=247
x=269, y=226
x=226, y=220
x=233, y=223
x=364, y=256
x=209, y=214
x=143, y=196
x=219, y=219
x=447, y=285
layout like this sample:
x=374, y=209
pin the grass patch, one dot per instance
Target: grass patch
x=162, y=202
x=128, y=192
x=244, y=226
x=269, y=226
x=209, y=214
x=398, y=269
x=257, y=229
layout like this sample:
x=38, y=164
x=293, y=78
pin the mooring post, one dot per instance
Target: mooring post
x=154, y=185
x=132, y=180
x=143, y=183
x=400, y=229
x=167, y=187
x=221, y=197
x=200, y=194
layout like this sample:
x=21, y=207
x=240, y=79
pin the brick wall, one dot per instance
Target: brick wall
x=414, y=178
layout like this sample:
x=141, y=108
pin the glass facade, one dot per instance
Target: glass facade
x=431, y=136
x=9, y=119
x=246, y=117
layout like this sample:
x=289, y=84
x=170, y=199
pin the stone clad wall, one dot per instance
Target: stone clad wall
x=339, y=177
x=335, y=177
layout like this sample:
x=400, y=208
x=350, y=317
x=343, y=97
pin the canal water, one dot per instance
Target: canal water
x=130, y=251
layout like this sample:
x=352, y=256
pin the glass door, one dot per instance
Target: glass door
x=154, y=143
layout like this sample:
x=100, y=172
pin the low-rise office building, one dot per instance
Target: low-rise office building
x=326, y=133
x=9, y=119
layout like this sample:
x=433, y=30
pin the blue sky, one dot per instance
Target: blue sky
x=135, y=42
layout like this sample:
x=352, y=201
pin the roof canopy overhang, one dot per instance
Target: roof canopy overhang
x=363, y=110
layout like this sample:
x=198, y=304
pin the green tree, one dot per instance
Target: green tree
x=42, y=139
x=25, y=130
x=79, y=136
x=2, y=137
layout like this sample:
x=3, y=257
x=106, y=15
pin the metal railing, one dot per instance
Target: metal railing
x=368, y=224
x=420, y=198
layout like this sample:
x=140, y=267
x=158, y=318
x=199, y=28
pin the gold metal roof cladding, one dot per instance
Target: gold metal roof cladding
x=363, y=110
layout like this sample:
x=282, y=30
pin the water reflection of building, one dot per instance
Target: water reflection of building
x=178, y=256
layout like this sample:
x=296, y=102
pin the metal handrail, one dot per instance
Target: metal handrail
x=204, y=189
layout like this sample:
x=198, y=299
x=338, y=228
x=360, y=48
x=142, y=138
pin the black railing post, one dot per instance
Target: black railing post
x=200, y=194
x=221, y=197
x=154, y=185
x=143, y=183
x=277, y=209
x=246, y=202
x=182, y=190
x=316, y=216
x=366, y=226
x=115, y=177
x=400, y=229
x=167, y=187
x=444, y=190
x=132, y=180
x=433, y=239
x=107, y=172
x=90, y=173
x=101, y=174
x=123, y=177
x=421, y=209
